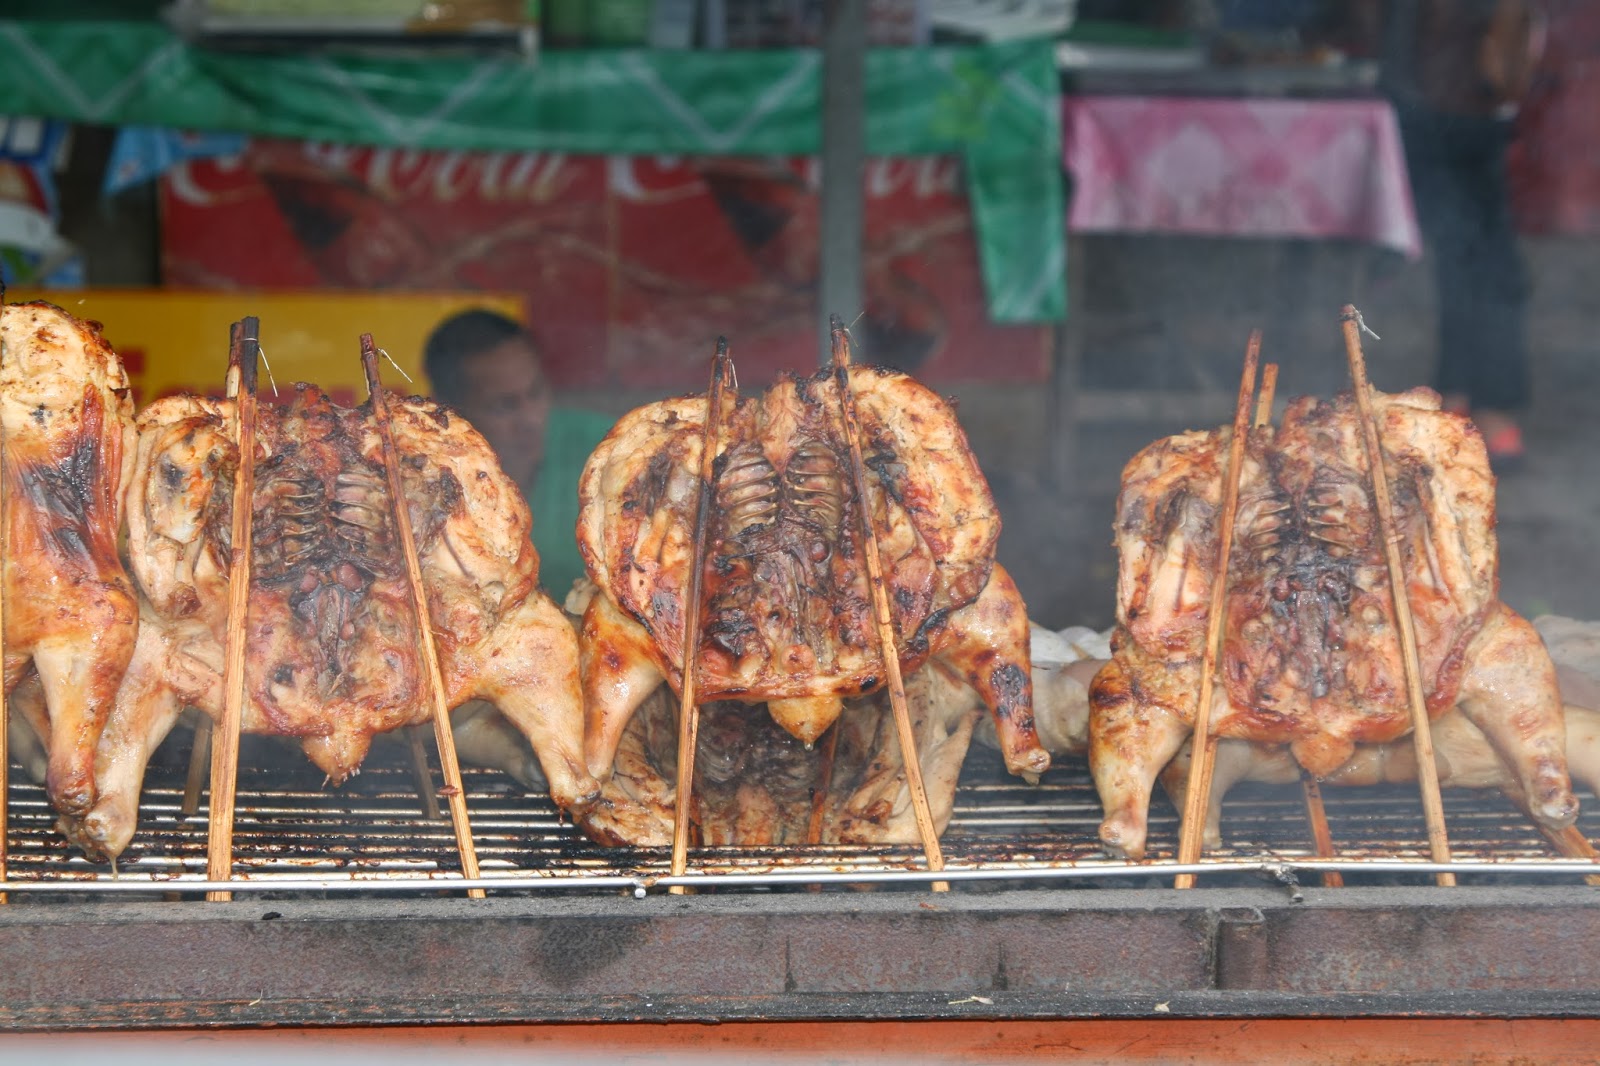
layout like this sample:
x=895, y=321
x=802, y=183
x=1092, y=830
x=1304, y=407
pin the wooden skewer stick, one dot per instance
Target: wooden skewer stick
x=421, y=775
x=1197, y=799
x=199, y=763
x=1421, y=725
x=450, y=769
x=200, y=747
x=819, y=801
x=688, y=701
x=1316, y=813
x=242, y=348
x=1269, y=392
x=1321, y=835
x=888, y=647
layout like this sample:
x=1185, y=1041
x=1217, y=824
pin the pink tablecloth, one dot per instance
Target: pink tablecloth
x=1234, y=167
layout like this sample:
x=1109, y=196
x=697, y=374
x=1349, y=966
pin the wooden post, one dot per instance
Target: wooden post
x=455, y=794
x=688, y=697
x=1421, y=725
x=243, y=342
x=887, y=645
x=1197, y=797
x=843, y=161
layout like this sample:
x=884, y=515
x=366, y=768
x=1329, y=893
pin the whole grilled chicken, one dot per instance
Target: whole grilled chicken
x=70, y=612
x=786, y=610
x=1311, y=655
x=332, y=654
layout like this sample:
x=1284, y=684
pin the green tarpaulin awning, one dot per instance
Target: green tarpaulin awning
x=998, y=107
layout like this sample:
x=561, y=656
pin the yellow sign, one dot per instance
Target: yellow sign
x=177, y=341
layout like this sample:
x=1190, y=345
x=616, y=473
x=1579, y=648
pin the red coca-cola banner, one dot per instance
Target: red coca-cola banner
x=632, y=266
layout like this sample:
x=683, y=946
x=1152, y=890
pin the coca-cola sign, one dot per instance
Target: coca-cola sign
x=632, y=266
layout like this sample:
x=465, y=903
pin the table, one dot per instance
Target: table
x=1207, y=166
x=1317, y=169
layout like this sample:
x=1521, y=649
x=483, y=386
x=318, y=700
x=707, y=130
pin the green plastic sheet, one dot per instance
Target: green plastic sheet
x=998, y=107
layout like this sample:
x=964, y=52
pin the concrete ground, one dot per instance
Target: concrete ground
x=1170, y=317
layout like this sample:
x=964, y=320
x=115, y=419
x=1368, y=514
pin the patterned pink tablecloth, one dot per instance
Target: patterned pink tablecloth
x=1239, y=167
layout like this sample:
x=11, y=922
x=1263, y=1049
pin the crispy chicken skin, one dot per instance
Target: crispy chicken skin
x=1311, y=655
x=332, y=654
x=787, y=614
x=71, y=618
x=755, y=781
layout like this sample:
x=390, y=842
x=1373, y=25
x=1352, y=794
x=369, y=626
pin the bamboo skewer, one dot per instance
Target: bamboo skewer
x=200, y=747
x=688, y=704
x=1269, y=392
x=244, y=342
x=199, y=760
x=1316, y=813
x=450, y=770
x=1197, y=797
x=819, y=800
x=888, y=646
x=421, y=775
x=1421, y=726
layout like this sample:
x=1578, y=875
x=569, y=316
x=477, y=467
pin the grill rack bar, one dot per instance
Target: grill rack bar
x=369, y=837
x=1278, y=869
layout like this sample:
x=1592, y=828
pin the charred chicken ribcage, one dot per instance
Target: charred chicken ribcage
x=1311, y=657
x=70, y=612
x=786, y=609
x=332, y=649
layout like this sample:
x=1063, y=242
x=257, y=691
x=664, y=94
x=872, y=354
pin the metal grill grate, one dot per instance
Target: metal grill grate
x=371, y=830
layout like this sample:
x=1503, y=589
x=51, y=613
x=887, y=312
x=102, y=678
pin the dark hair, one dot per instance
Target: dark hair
x=457, y=339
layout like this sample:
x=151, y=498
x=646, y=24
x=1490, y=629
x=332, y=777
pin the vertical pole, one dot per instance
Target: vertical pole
x=722, y=378
x=844, y=65
x=1196, y=800
x=449, y=768
x=244, y=344
x=1066, y=376
x=1388, y=532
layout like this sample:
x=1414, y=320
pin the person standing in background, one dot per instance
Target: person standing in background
x=1456, y=71
x=487, y=367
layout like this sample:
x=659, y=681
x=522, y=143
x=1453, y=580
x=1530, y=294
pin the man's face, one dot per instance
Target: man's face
x=508, y=401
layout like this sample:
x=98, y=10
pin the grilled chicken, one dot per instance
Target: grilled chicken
x=1311, y=655
x=332, y=653
x=1462, y=754
x=787, y=614
x=70, y=612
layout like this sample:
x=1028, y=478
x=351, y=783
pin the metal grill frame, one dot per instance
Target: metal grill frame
x=370, y=838
x=1034, y=927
